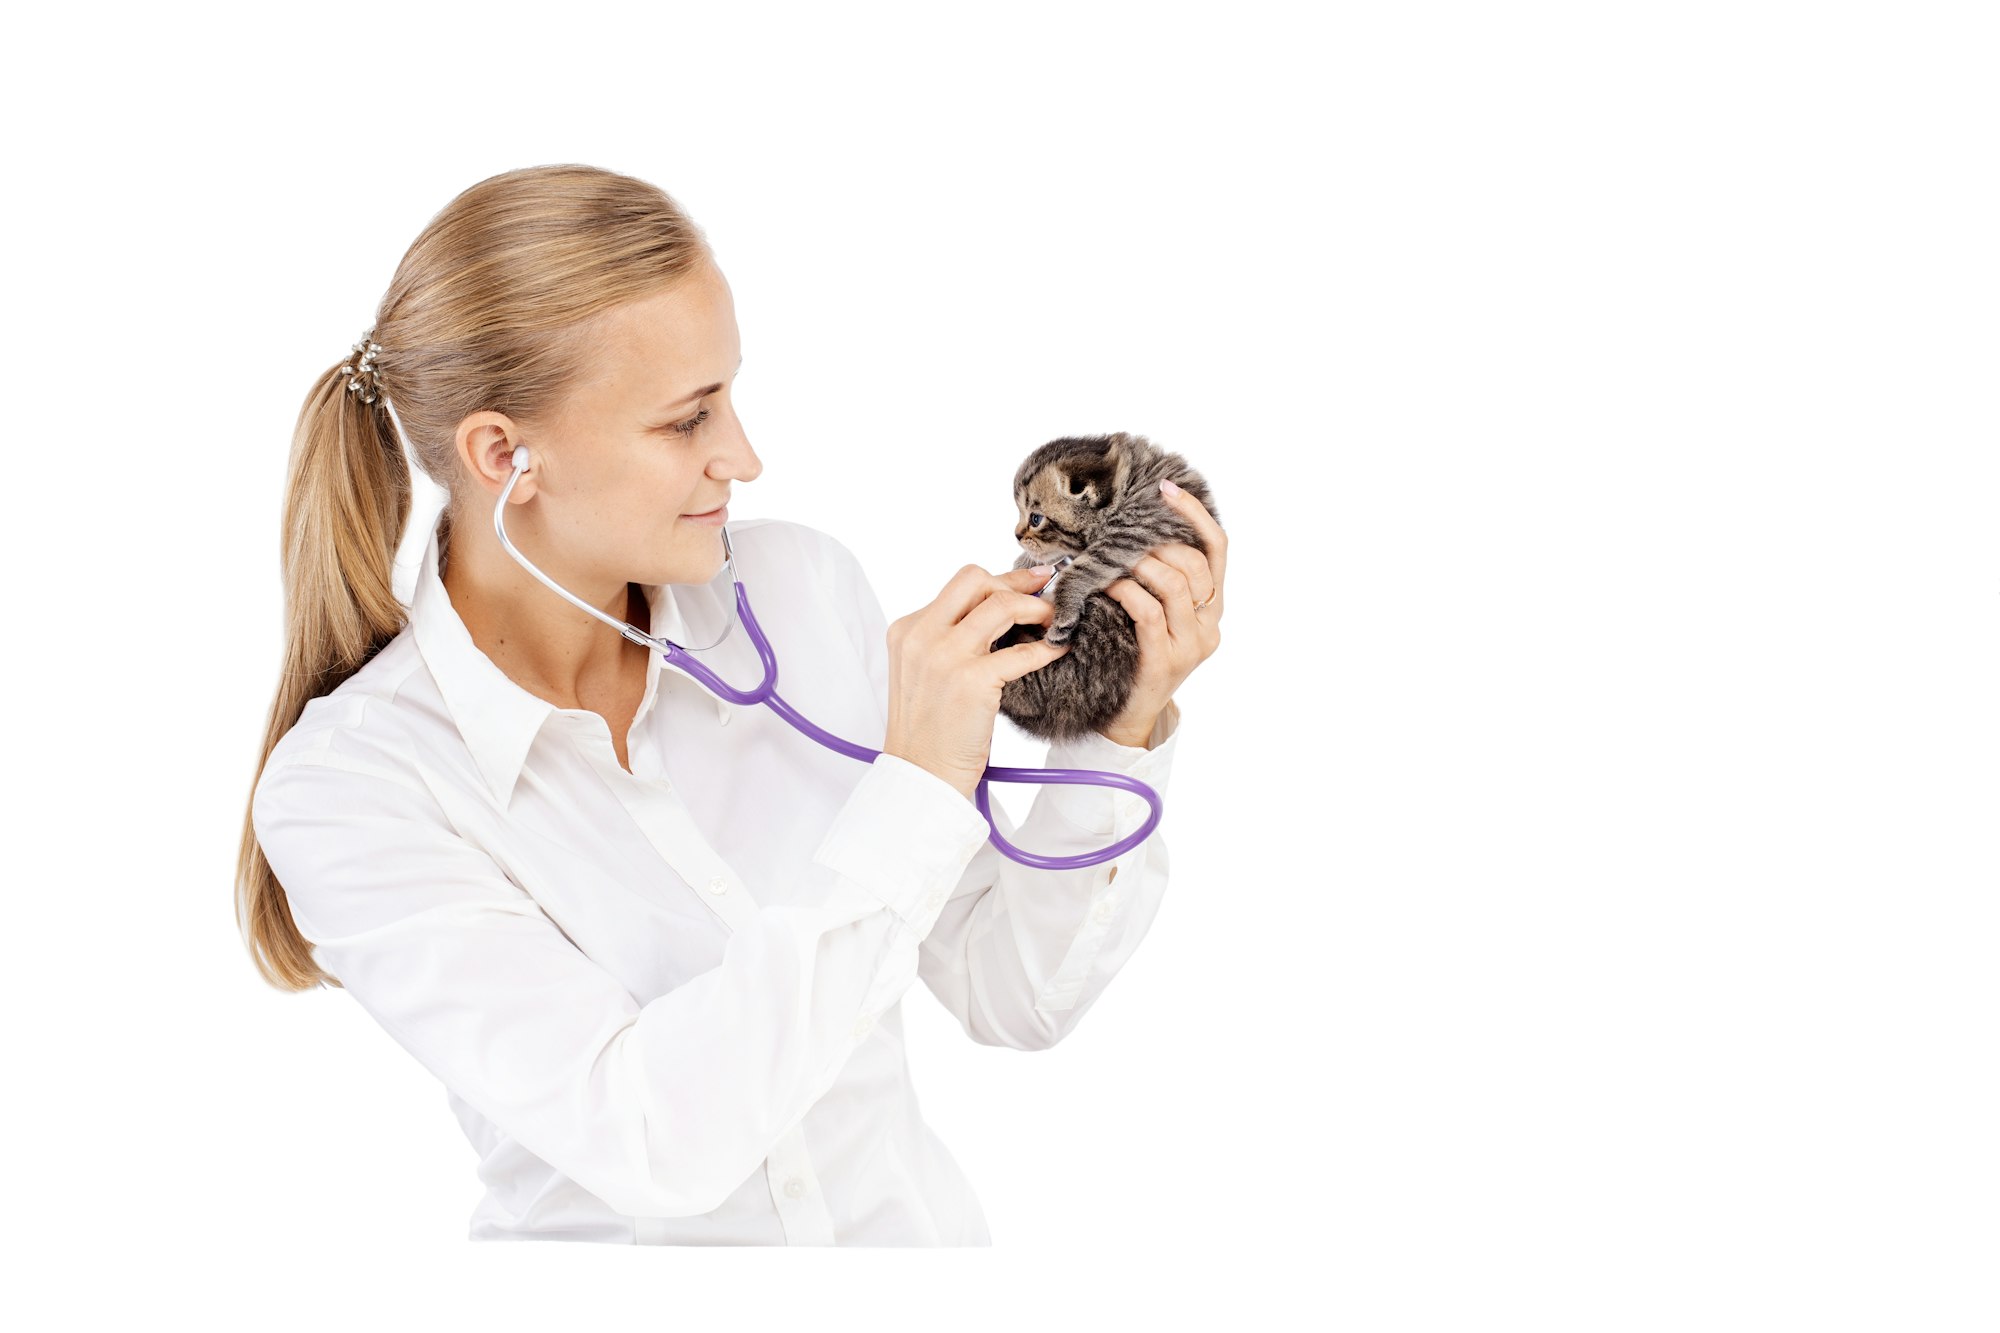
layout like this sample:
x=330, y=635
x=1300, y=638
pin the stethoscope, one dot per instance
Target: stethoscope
x=766, y=693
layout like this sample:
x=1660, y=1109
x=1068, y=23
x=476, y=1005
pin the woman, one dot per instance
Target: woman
x=654, y=946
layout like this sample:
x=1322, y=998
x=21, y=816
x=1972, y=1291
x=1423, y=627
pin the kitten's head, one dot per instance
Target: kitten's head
x=1065, y=489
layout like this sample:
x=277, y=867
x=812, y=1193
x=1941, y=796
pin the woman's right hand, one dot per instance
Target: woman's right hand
x=945, y=679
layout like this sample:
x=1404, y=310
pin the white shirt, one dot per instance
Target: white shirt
x=665, y=1004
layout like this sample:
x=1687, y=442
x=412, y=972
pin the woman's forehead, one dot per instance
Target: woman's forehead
x=655, y=354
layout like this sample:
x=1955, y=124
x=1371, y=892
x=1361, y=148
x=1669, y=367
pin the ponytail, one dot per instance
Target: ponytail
x=347, y=501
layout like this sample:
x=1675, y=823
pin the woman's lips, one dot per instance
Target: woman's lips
x=718, y=514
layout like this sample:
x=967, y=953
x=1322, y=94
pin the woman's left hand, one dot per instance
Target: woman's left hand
x=1174, y=638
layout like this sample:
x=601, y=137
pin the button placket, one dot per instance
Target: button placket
x=668, y=827
x=730, y=900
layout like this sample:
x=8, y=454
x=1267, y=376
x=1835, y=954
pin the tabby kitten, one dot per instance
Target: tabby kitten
x=1095, y=499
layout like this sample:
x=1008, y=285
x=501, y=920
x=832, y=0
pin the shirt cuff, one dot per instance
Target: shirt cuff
x=905, y=835
x=1110, y=810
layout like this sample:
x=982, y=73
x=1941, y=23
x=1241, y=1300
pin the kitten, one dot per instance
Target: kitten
x=1095, y=499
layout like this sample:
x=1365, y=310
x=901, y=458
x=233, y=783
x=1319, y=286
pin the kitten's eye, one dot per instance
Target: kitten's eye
x=1034, y=520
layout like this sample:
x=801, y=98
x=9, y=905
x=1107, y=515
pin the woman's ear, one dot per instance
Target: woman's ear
x=485, y=443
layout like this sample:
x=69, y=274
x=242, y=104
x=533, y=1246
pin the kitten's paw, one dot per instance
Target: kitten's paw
x=1062, y=631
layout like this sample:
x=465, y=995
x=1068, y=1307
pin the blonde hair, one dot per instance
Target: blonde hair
x=488, y=310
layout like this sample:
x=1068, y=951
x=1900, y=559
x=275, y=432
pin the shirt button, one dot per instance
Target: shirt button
x=718, y=885
x=936, y=899
x=861, y=1026
x=795, y=1187
x=1103, y=912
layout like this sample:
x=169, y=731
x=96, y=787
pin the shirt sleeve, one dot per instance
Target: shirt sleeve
x=1019, y=954
x=660, y=1109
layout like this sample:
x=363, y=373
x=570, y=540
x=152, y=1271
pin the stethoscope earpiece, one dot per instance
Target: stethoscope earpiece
x=520, y=457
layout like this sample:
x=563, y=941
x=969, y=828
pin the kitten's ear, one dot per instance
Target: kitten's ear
x=1100, y=480
x=1122, y=457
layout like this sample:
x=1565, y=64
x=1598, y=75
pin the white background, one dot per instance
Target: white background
x=1583, y=904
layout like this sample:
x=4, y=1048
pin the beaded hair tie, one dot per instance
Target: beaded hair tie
x=361, y=373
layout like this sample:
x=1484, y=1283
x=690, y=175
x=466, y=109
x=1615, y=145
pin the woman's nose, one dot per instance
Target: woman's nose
x=743, y=463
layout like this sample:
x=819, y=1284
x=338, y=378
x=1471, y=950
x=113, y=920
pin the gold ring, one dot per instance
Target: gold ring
x=1204, y=602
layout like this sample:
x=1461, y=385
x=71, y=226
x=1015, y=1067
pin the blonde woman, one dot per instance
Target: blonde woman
x=653, y=945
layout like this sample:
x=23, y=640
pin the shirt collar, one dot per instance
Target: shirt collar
x=498, y=719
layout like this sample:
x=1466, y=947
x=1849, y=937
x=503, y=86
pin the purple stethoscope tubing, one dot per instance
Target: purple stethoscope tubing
x=766, y=693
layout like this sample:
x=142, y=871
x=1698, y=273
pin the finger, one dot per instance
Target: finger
x=1169, y=587
x=1193, y=566
x=1025, y=579
x=969, y=586
x=1013, y=663
x=998, y=613
x=1149, y=619
x=1028, y=581
x=1194, y=511
x=961, y=592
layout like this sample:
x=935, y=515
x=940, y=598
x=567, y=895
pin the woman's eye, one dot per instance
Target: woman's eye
x=688, y=427
x=1034, y=520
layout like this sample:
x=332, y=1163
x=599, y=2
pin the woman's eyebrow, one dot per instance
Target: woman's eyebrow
x=702, y=392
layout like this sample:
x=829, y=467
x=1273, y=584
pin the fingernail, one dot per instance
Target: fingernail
x=1167, y=485
x=1043, y=570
